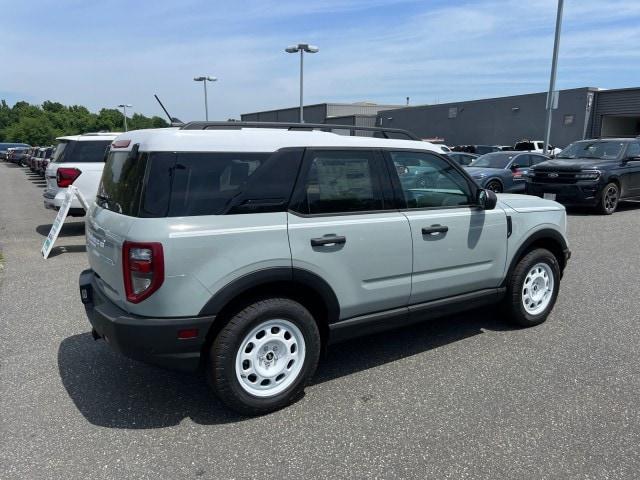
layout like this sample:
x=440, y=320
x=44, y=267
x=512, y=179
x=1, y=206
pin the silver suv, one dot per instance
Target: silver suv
x=248, y=250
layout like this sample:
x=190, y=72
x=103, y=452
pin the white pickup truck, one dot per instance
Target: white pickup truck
x=535, y=146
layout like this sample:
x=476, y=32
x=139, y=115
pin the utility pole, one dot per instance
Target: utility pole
x=302, y=48
x=552, y=80
x=124, y=106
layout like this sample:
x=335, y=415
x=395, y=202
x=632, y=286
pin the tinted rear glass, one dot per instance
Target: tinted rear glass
x=524, y=146
x=168, y=184
x=121, y=185
x=79, y=152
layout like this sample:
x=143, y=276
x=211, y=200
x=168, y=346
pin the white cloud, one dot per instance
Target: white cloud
x=370, y=50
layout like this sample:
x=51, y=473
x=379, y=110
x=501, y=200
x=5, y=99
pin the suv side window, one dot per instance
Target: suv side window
x=633, y=150
x=522, y=161
x=340, y=181
x=428, y=181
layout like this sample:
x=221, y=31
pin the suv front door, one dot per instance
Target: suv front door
x=457, y=246
x=343, y=229
x=631, y=170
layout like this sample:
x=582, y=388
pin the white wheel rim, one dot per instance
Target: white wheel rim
x=537, y=289
x=270, y=358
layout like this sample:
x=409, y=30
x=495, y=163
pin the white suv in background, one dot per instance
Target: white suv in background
x=78, y=160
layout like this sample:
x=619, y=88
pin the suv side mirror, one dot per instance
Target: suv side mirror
x=487, y=199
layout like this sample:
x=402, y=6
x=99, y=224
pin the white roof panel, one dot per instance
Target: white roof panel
x=253, y=140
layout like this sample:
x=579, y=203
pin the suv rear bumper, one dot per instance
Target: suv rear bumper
x=53, y=201
x=151, y=340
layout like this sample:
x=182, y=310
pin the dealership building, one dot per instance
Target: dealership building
x=579, y=113
x=360, y=114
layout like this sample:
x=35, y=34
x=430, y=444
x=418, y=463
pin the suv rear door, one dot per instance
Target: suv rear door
x=344, y=228
x=457, y=247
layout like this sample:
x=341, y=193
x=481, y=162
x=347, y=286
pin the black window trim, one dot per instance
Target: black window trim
x=397, y=186
x=379, y=177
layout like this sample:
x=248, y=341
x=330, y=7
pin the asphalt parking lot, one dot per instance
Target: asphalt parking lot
x=463, y=397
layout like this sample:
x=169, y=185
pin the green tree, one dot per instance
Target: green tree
x=31, y=130
x=40, y=125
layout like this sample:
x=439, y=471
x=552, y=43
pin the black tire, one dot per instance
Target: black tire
x=221, y=371
x=609, y=199
x=494, y=185
x=514, y=301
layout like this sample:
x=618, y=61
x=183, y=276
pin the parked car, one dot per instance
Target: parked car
x=30, y=158
x=38, y=159
x=594, y=173
x=78, y=160
x=503, y=171
x=462, y=158
x=248, y=250
x=535, y=146
x=17, y=154
x=4, y=148
x=42, y=160
x=47, y=159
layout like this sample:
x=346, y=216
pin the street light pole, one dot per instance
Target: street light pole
x=124, y=106
x=552, y=80
x=301, y=85
x=204, y=80
x=302, y=48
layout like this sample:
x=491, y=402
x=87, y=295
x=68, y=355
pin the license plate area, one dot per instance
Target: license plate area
x=549, y=196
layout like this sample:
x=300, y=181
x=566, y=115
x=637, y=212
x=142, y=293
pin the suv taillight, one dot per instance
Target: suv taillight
x=66, y=176
x=142, y=268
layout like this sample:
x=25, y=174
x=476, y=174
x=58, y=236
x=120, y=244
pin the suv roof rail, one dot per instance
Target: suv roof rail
x=325, y=127
x=97, y=134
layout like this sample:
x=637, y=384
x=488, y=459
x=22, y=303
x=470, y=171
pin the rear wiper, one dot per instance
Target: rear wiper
x=103, y=198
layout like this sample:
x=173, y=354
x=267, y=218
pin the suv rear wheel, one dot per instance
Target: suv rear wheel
x=532, y=288
x=263, y=358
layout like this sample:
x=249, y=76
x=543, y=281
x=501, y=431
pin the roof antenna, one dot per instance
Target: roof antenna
x=175, y=122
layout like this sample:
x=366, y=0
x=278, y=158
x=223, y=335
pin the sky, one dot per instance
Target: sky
x=102, y=53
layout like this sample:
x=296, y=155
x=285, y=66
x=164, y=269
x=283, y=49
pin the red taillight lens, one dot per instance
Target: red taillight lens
x=142, y=268
x=66, y=176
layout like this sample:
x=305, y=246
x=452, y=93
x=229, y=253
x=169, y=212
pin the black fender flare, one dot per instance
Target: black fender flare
x=543, y=234
x=267, y=276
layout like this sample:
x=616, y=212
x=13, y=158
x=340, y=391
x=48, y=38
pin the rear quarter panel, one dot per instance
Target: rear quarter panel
x=203, y=254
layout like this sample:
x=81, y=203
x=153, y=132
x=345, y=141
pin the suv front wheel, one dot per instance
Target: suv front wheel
x=609, y=199
x=532, y=288
x=263, y=358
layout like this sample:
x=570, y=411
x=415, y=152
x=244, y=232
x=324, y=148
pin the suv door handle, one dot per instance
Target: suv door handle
x=435, y=229
x=328, y=240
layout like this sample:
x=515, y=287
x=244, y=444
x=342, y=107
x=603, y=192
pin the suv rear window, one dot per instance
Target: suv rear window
x=169, y=184
x=524, y=146
x=78, y=152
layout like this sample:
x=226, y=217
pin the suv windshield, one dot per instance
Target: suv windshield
x=85, y=151
x=599, y=150
x=492, y=160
